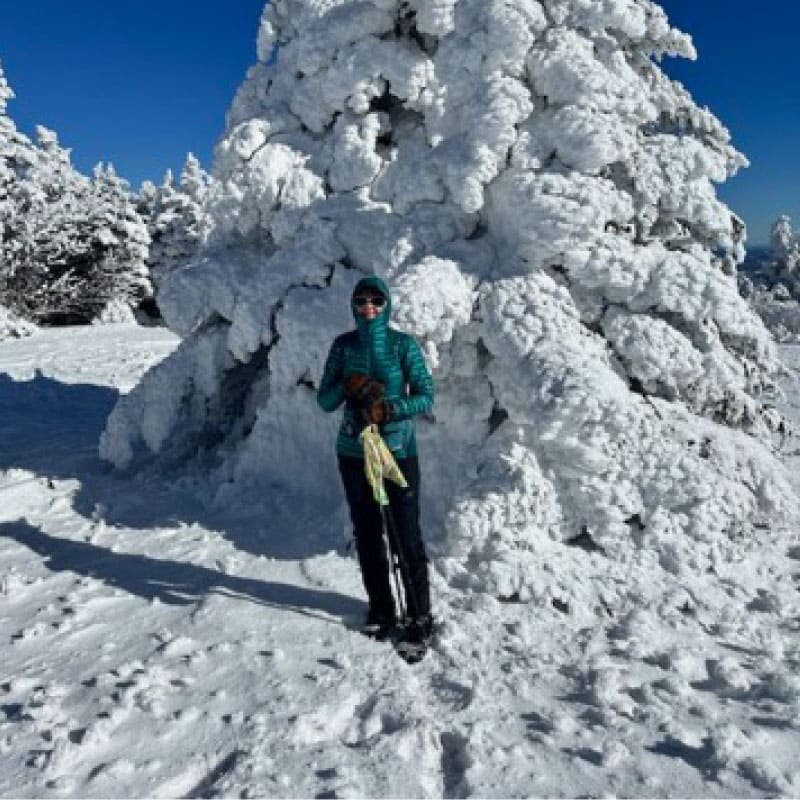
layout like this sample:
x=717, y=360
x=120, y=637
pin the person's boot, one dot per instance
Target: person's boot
x=413, y=644
x=419, y=630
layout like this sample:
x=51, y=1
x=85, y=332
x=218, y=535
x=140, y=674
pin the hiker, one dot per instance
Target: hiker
x=379, y=373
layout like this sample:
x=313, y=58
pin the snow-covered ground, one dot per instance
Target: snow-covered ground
x=153, y=645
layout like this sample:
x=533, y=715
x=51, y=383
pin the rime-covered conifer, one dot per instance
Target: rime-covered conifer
x=772, y=288
x=541, y=198
x=69, y=245
x=180, y=222
x=785, y=247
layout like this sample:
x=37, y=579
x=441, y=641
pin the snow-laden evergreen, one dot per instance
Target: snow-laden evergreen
x=69, y=244
x=785, y=246
x=178, y=221
x=772, y=287
x=541, y=197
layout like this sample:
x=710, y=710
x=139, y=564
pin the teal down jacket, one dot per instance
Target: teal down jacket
x=388, y=355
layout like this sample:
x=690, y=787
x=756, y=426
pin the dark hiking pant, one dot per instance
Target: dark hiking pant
x=368, y=531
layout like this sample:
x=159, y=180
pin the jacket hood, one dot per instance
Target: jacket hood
x=376, y=284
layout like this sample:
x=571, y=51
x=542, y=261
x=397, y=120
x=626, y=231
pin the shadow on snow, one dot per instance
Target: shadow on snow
x=46, y=425
x=171, y=582
x=52, y=429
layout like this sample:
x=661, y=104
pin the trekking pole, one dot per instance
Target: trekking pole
x=402, y=564
x=395, y=565
x=375, y=455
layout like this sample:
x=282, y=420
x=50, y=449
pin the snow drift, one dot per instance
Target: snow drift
x=540, y=196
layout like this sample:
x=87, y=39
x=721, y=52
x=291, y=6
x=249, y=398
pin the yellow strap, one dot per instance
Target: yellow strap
x=379, y=464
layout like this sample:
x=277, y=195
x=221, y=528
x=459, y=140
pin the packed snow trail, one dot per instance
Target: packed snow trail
x=154, y=646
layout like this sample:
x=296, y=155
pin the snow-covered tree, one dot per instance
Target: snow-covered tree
x=541, y=197
x=194, y=180
x=69, y=244
x=17, y=154
x=122, y=274
x=772, y=288
x=6, y=92
x=785, y=246
x=179, y=222
x=147, y=202
x=35, y=183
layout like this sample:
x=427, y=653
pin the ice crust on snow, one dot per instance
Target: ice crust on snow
x=541, y=198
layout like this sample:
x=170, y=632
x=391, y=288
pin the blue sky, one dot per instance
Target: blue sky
x=140, y=84
x=136, y=83
x=748, y=74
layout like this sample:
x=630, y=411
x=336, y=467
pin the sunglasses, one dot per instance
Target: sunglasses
x=373, y=300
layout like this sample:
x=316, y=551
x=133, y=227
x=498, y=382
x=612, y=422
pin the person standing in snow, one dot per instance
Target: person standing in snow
x=380, y=375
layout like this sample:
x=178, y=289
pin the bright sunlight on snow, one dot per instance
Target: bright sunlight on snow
x=156, y=646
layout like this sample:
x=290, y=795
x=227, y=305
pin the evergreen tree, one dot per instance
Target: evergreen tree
x=147, y=203
x=785, y=247
x=70, y=245
x=772, y=288
x=541, y=198
x=17, y=196
x=179, y=223
x=123, y=238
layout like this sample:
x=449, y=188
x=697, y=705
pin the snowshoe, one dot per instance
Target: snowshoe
x=411, y=652
x=412, y=645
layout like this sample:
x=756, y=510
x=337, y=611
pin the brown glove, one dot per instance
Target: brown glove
x=374, y=390
x=361, y=392
x=355, y=385
x=378, y=411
